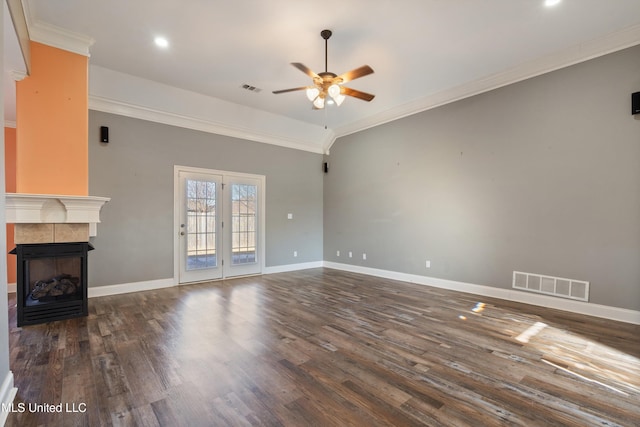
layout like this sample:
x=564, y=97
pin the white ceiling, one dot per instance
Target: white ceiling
x=424, y=53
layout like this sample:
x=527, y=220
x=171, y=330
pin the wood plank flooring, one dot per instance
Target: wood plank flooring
x=323, y=347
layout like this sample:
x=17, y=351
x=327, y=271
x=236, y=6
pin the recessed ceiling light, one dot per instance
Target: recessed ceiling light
x=161, y=42
x=551, y=3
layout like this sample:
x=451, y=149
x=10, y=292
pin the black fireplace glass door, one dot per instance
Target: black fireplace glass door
x=53, y=279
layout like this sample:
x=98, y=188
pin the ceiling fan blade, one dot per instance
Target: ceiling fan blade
x=365, y=70
x=357, y=94
x=305, y=70
x=289, y=90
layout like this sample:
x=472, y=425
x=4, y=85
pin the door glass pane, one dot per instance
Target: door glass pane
x=243, y=219
x=200, y=226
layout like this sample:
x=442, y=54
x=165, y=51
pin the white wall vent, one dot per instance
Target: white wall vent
x=251, y=88
x=549, y=285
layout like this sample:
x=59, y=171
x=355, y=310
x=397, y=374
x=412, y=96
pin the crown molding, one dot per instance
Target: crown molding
x=19, y=20
x=106, y=105
x=60, y=38
x=562, y=59
x=17, y=75
x=54, y=36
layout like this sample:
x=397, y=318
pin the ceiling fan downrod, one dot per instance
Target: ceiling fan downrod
x=326, y=34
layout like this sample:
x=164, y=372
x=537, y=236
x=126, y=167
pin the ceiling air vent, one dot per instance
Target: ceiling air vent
x=251, y=88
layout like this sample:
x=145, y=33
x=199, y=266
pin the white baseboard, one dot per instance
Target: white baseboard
x=293, y=267
x=11, y=288
x=7, y=394
x=101, y=291
x=148, y=285
x=590, y=309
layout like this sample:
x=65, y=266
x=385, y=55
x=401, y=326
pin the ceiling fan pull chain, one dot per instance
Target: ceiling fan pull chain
x=325, y=118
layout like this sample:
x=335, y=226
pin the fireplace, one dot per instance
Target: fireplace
x=51, y=281
x=52, y=235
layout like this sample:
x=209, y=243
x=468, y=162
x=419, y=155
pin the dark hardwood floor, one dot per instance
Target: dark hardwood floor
x=323, y=348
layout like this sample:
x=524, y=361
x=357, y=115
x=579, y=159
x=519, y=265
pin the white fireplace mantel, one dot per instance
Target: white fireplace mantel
x=53, y=209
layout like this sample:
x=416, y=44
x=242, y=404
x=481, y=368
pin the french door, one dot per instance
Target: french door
x=219, y=224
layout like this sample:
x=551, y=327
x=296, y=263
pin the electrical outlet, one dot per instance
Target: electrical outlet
x=337, y=253
x=350, y=254
x=289, y=216
x=295, y=254
x=364, y=256
x=428, y=264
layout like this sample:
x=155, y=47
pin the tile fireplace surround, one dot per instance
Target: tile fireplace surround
x=50, y=218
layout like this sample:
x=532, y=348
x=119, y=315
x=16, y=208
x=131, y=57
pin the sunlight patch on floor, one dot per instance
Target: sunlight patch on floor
x=582, y=377
x=531, y=332
x=568, y=352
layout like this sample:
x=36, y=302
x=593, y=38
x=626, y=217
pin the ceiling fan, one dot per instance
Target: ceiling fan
x=327, y=87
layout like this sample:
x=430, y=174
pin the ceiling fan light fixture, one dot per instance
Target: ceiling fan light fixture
x=319, y=102
x=334, y=90
x=312, y=93
x=339, y=99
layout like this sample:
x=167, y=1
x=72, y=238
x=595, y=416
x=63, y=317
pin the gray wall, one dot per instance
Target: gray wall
x=135, y=237
x=542, y=176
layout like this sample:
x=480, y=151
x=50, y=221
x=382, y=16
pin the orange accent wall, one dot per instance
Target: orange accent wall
x=10, y=187
x=52, y=124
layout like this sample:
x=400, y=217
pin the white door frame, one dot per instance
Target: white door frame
x=177, y=221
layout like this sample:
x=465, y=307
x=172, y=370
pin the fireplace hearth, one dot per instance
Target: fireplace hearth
x=51, y=281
